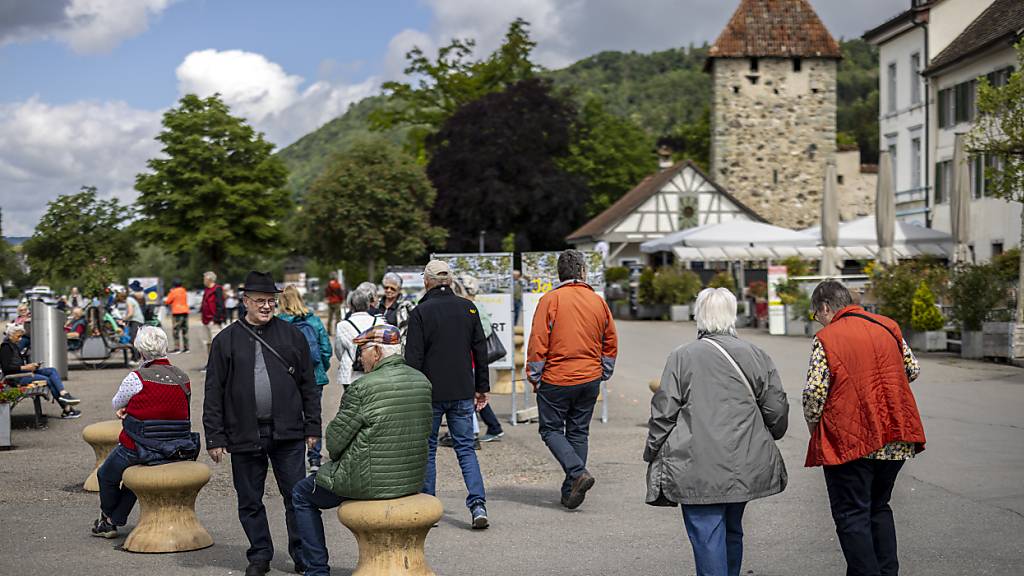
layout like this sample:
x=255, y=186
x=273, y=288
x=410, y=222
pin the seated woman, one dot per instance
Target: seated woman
x=12, y=362
x=24, y=319
x=75, y=329
x=156, y=393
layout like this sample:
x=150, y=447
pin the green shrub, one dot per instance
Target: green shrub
x=9, y=394
x=788, y=291
x=975, y=292
x=797, y=267
x=758, y=290
x=616, y=274
x=645, y=288
x=723, y=280
x=894, y=287
x=1007, y=264
x=675, y=287
x=924, y=315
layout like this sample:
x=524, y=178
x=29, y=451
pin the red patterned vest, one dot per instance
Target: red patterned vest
x=161, y=398
x=869, y=402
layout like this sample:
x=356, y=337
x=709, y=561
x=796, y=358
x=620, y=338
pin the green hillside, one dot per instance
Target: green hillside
x=661, y=92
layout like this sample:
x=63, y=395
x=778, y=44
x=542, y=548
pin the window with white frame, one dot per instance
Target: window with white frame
x=891, y=85
x=915, y=162
x=915, y=78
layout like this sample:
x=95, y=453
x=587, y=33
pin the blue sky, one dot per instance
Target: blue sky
x=85, y=81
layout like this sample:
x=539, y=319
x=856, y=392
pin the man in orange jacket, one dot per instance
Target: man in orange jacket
x=572, y=349
x=177, y=300
x=864, y=423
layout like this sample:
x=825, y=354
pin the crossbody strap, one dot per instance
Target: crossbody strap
x=291, y=369
x=899, y=343
x=743, y=376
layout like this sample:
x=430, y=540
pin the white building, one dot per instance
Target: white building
x=983, y=47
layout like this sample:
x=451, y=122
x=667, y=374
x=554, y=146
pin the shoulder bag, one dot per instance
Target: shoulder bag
x=743, y=377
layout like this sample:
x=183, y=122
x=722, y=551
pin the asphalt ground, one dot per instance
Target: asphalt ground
x=959, y=506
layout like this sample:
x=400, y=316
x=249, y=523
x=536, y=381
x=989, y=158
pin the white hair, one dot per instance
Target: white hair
x=13, y=329
x=715, y=311
x=386, y=349
x=151, y=342
x=393, y=277
x=211, y=276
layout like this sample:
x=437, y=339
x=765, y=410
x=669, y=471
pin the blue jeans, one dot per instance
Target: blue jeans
x=116, y=501
x=459, y=414
x=716, y=534
x=313, y=454
x=564, y=414
x=308, y=500
x=52, y=377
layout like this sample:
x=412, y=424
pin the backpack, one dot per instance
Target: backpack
x=357, y=361
x=312, y=339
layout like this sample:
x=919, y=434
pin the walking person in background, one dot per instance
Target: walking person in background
x=177, y=300
x=230, y=303
x=135, y=319
x=864, y=423
x=75, y=299
x=471, y=287
x=335, y=296
x=446, y=342
x=572, y=349
x=388, y=307
x=212, y=310
x=262, y=407
x=350, y=365
x=295, y=312
x=517, y=296
x=711, y=436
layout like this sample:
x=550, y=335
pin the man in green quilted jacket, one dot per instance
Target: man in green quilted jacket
x=377, y=442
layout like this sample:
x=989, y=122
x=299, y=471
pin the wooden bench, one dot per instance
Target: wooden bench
x=36, y=390
x=391, y=533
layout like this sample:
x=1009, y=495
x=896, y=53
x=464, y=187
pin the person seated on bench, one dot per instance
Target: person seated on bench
x=75, y=329
x=377, y=442
x=12, y=362
x=23, y=319
x=153, y=405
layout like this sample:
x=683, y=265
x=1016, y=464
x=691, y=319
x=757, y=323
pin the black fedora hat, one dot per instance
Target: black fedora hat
x=260, y=282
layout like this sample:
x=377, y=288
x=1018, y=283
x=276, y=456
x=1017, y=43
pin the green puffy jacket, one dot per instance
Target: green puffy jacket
x=378, y=440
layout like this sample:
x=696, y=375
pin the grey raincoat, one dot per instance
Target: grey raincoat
x=707, y=442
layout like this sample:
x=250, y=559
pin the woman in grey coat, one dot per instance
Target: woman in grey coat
x=711, y=437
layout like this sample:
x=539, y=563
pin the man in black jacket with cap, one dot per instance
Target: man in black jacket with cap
x=261, y=406
x=446, y=342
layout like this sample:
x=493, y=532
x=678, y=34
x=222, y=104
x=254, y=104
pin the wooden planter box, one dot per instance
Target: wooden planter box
x=652, y=312
x=928, y=341
x=971, y=344
x=796, y=327
x=620, y=311
x=680, y=313
x=997, y=339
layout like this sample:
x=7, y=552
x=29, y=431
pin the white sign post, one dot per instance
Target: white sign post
x=776, y=311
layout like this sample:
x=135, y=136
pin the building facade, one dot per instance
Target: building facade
x=773, y=72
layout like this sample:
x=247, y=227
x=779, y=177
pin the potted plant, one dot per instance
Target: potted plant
x=7, y=397
x=975, y=292
x=796, y=307
x=926, y=321
x=649, y=305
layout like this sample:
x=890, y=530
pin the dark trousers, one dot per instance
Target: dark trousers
x=249, y=472
x=859, y=493
x=309, y=499
x=490, y=420
x=564, y=414
x=116, y=500
x=181, y=331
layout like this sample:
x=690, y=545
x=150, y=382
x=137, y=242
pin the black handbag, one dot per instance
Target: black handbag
x=495, y=349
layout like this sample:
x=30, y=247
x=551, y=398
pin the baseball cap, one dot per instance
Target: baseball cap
x=437, y=268
x=379, y=334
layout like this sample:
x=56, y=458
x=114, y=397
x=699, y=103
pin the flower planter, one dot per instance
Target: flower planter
x=652, y=311
x=796, y=327
x=5, y=425
x=620, y=310
x=971, y=344
x=928, y=341
x=680, y=313
x=997, y=339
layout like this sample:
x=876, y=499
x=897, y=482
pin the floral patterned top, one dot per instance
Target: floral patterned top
x=816, y=392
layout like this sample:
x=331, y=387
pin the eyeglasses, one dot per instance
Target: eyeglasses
x=263, y=302
x=390, y=288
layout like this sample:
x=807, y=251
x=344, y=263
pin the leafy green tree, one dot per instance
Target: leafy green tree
x=924, y=315
x=611, y=154
x=857, y=97
x=692, y=140
x=81, y=239
x=371, y=203
x=452, y=80
x=495, y=164
x=218, y=191
x=999, y=134
x=11, y=273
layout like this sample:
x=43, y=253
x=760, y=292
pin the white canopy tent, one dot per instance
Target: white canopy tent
x=858, y=239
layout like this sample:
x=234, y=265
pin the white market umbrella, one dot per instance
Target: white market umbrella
x=885, y=210
x=960, y=203
x=829, y=222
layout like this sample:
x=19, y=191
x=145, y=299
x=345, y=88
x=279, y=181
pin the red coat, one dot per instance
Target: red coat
x=334, y=293
x=212, y=308
x=869, y=402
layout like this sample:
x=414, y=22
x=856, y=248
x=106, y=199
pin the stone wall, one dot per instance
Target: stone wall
x=773, y=130
x=857, y=187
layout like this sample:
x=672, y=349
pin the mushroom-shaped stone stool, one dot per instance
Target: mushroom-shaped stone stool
x=102, y=436
x=167, y=498
x=391, y=533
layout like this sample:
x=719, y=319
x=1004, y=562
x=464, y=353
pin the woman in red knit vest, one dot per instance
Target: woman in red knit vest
x=156, y=391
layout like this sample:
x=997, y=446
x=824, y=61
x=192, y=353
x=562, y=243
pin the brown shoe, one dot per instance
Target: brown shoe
x=580, y=485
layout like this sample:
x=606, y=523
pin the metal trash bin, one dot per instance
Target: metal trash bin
x=49, y=344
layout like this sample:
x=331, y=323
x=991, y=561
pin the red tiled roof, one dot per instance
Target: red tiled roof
x=775, y=28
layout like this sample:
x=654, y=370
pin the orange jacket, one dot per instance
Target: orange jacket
x=572, y=339
x=177, y=299
x=869, y=402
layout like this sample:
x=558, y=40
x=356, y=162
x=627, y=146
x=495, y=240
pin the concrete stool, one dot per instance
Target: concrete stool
x=102, y=436
x=167, y=497
x=391, y=533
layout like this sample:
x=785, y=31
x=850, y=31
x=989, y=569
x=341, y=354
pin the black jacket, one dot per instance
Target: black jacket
x=229, y=408
x=445, y=341
x=11, y=361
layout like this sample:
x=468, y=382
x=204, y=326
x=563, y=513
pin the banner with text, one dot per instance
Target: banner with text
x=493, y=272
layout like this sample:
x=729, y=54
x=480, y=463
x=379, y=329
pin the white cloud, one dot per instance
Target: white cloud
x=49, y=150
x=400, y=45
x=88, y=26
x=267, y=96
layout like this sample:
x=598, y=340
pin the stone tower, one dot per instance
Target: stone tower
x=773, y=117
